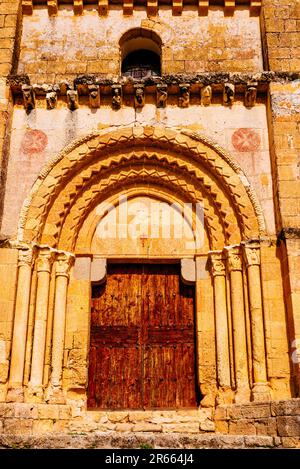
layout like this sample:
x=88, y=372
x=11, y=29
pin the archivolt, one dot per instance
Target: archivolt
x=71, y=183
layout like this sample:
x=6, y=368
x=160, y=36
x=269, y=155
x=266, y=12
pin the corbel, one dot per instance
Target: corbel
x=94, y=96
x=206, y=95
x=228, y=94
x=78, y=7
x=28, y=97
x=176, y=7
x=51, y=97
x=184, y=98
x=251, y=94
x=229, y=7
x=203, y=7
x=52, y=7
x=139, y=96
x=255, y=7
x=116, y=96
x=152, y=7
x=161, y=95
x=127, y=7
x=102, y=7
x=72, y=97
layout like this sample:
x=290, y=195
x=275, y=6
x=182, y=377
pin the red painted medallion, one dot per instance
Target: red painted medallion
x=246, y=140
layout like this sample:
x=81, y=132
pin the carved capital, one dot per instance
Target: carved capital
x=25, y=257
x=234, y=259
x=63, y=264
x=217, y=263
x=44, y=260
x=252, y=254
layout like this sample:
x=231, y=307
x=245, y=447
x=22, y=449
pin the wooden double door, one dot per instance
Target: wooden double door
x=142, y=343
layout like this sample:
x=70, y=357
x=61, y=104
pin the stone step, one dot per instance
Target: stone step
x=143, y=440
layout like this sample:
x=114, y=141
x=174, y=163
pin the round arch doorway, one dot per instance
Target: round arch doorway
x=142, y=334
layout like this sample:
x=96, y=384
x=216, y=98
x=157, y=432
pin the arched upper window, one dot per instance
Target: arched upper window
x=140, y=53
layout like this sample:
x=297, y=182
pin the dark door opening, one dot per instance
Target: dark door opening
x=142, y=346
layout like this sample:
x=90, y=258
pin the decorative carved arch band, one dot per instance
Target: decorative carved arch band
x=183, y=161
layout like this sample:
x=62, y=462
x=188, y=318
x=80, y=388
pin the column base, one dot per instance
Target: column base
x=242, y=395
x=35, y=394
x=15, y=393
x=54, y=395
x=261, y=392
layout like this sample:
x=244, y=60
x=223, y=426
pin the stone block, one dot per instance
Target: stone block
x=42, y=426
x=192, y=427
x=117, y=416
x=28, y=411
x=287, y=407
x=137, y=416
x=18, y=426
x=288, y=426
x=146, y=427
x=242, y=427
x=48, y=411
x=123, y=427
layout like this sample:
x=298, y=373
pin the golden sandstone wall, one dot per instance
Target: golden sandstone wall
x=211, y=49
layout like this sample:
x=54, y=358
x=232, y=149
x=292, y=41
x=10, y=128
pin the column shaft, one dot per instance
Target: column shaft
x=20, y=320
x=221, y=321
x=261, y=390
x=239, y=325
x=40, y=324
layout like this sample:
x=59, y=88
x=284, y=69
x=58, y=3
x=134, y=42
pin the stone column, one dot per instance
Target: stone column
x=234, y=265
x=44, y=261
x=218, y=272
x=260, y=390
x=15, y=392
x=63, y=262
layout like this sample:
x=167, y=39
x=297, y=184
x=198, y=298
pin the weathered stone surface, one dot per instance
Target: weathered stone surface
x=289, y=426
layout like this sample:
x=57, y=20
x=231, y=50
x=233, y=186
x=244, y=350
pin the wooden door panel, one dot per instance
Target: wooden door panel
x=142, y=352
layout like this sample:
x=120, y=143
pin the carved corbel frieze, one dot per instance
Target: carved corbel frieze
x=72, y=97
x=251, y=95
x=28, y=97
x=116, y=99
x=184, y=98
x=206, y=95
x=94, y=96
x=139, y=96
x=228, y=94
x=162, y=95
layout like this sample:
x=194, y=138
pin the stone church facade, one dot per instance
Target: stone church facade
x=182, y=114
